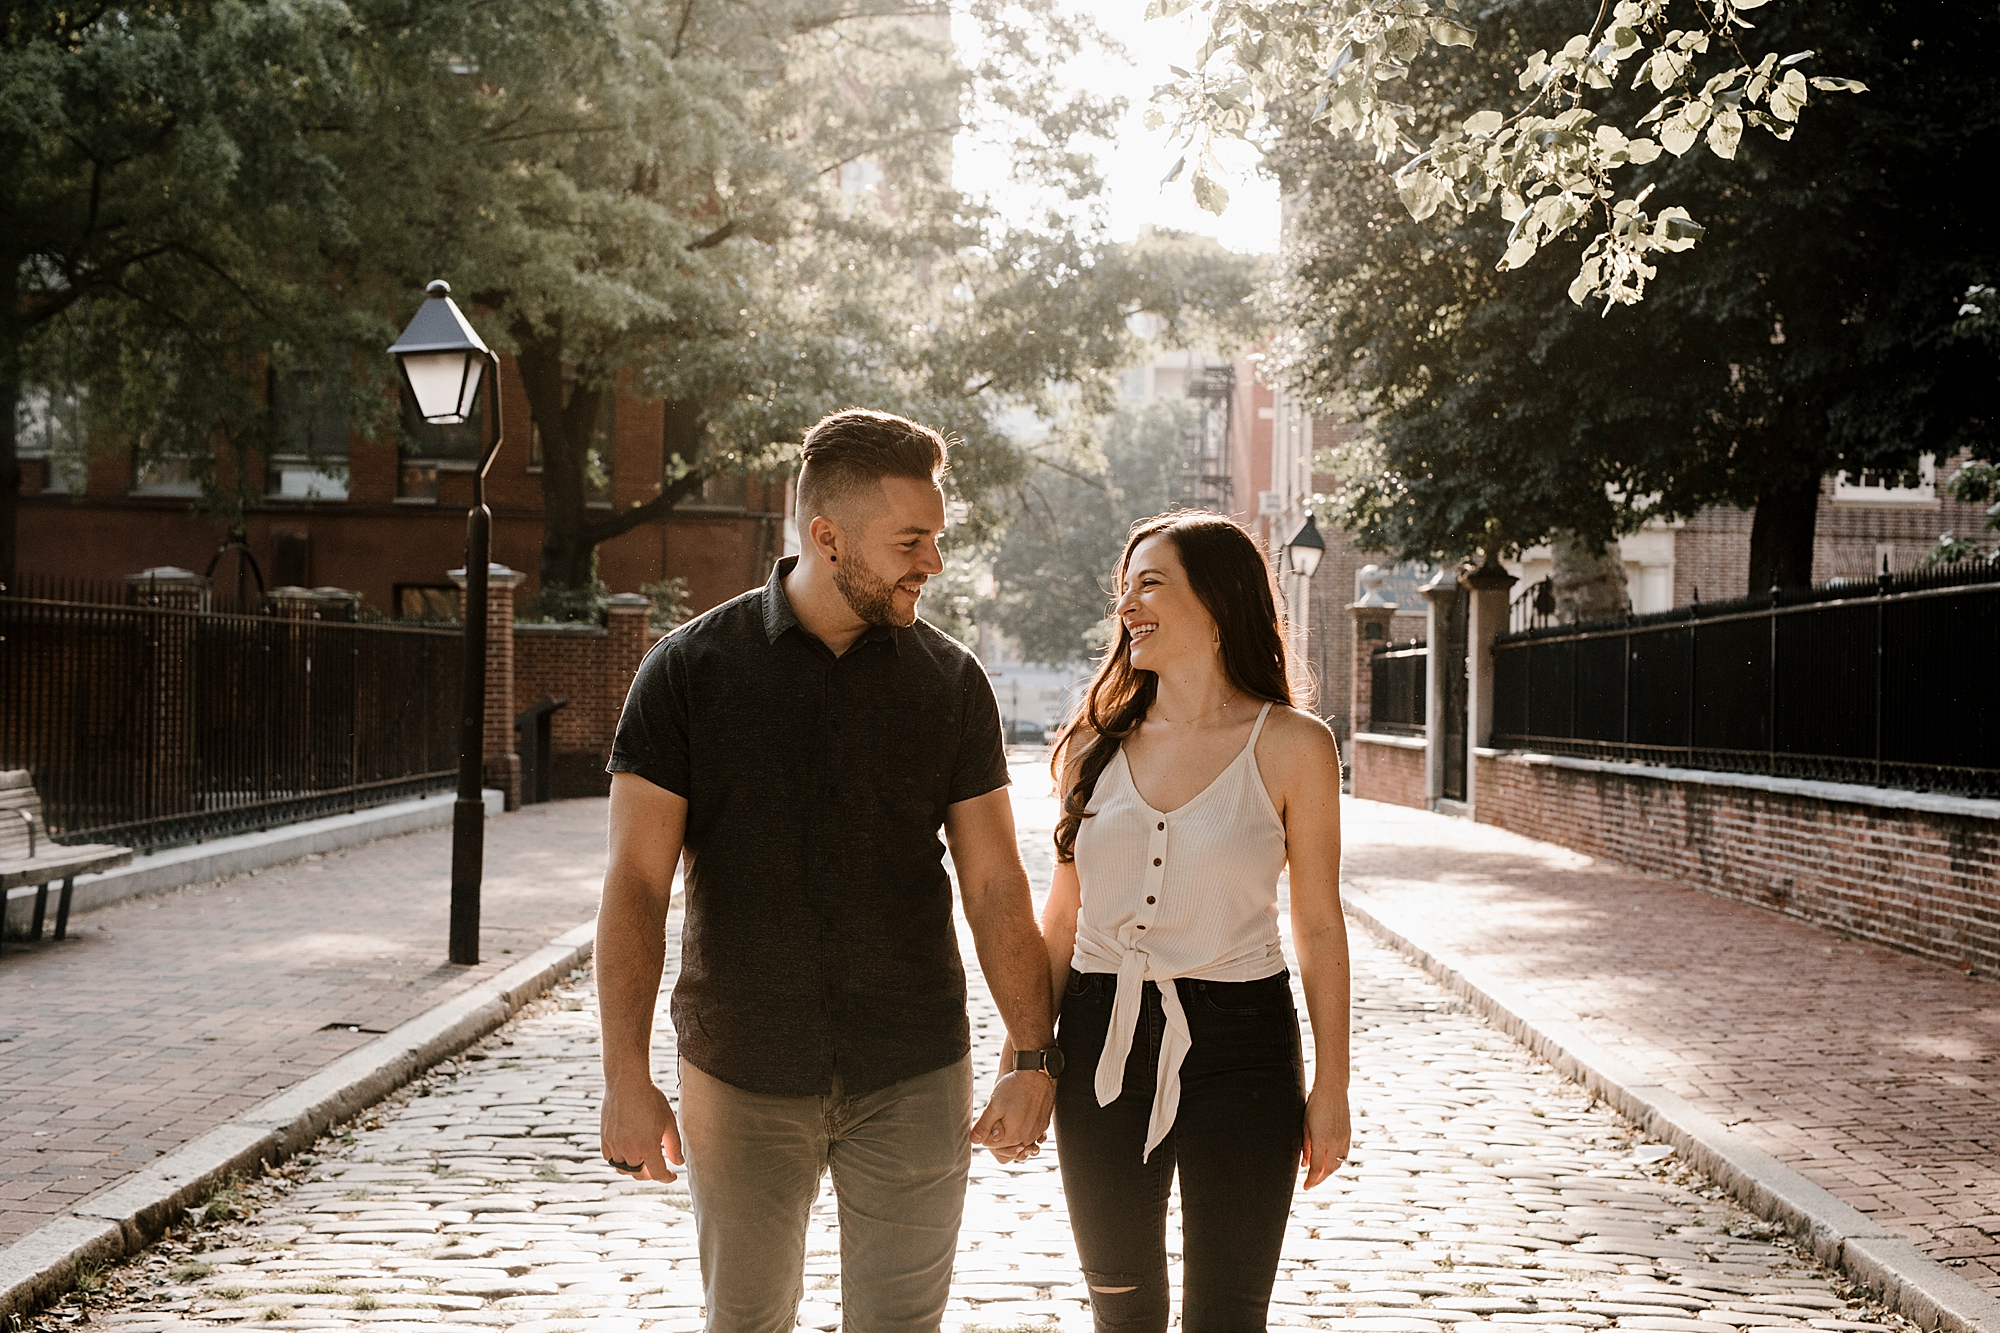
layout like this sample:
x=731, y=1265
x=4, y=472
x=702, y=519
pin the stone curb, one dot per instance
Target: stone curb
x=1839, y=1235
x=126, y=1217
x=219, y=858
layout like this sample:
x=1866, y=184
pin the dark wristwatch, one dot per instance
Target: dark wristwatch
x=1049, y=1060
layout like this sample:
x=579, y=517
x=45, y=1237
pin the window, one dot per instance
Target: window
x=171, y=474
x=723, y=490
x=597, y=458
x=429, y=449
x=310, y=460
x=1916, y=484
x=48, y=425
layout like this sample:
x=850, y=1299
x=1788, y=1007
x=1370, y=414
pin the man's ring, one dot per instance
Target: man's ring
x=626, y=1167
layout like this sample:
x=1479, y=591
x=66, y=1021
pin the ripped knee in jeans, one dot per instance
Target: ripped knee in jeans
x=1113, y=1283
x=1128, y=1301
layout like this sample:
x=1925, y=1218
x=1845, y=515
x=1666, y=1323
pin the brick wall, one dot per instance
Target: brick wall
x=1923, y=880
x=1330, y=640
x=1388, y=768
x=593, y=669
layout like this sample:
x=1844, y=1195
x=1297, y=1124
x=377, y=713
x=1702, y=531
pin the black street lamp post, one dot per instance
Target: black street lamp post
x=443, y=363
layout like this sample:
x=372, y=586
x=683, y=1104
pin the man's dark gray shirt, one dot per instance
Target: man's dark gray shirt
x=819, y=931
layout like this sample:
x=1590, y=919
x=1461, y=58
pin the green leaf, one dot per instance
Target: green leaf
x=1208, y=194
x=1537, y=71
x=1788, y=96
x=1421, y=193
x=1840, y=85
x=1445, y=32
x=1485, y=123
x=1165, y=9
x=1676, y=135
x=1588, y=276
x=1175, y=174
x=1675, y=230
x=1724, y=133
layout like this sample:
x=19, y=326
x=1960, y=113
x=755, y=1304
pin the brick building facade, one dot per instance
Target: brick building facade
x=392, y=524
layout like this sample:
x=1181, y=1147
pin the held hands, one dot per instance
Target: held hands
x=637, y=1133
x=1328, y=1136
x=1016, y=1119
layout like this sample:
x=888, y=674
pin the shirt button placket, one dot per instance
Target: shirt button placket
x=1156, y=852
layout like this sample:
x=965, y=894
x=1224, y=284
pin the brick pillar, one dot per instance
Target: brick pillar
x=625, y=618
x=164, y=728
x=1439, y=591
x=168, y=586
x=1372, y=614
x=1489, y=585
x=502, y=768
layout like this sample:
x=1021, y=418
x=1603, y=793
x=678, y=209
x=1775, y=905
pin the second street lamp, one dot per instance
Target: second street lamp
x=1305, y=548
x=444, y=364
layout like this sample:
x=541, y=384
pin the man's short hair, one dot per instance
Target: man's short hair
x=848, y=453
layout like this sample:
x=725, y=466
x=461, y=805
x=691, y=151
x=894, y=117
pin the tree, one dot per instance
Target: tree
x=657, y=191
x=662, y=194
x=162, y=202
x=1054, y=567
x=1544, y=159
x=1816, y=334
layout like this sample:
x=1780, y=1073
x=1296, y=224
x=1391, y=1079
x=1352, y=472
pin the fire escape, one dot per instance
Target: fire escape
x=1205, y=480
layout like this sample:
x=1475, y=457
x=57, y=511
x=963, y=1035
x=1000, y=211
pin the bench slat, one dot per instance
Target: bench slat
x=61, y=863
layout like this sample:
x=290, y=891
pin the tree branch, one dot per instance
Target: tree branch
x=623, y=521
x=716, y=237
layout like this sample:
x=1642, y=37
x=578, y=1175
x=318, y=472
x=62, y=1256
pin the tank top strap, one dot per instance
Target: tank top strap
x=1259, y=728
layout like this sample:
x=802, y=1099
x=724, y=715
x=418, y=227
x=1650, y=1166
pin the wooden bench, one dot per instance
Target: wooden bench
x=28, y=857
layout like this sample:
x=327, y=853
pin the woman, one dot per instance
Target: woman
x=1189, y=783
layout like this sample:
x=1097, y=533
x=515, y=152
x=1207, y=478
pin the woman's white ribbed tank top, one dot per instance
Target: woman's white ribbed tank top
x=1191, y=892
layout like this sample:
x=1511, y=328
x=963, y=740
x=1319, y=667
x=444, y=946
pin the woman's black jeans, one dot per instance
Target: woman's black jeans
x=1235, y=1139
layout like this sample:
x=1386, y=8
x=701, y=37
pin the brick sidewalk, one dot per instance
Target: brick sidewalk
x=1870, y=1072
x=160, y=1018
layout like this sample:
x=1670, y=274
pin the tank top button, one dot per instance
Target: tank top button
x=1162, y=825
x=1150, y=900
x=1156, y=860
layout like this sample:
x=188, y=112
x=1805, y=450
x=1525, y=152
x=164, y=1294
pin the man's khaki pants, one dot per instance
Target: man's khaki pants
x=899, y=1157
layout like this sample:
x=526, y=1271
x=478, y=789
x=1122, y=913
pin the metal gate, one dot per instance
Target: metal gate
x=1451, y=672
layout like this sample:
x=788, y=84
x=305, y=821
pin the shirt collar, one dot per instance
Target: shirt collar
x=779, y=616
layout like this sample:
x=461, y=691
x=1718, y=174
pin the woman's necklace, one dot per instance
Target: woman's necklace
x=1190, y=721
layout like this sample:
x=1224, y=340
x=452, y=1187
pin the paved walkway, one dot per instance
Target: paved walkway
x=161, y=1018
x=1874, y=1074
x=1481, y=1179
x=1484, y=1193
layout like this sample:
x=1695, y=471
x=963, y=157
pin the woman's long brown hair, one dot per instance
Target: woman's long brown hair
x=1227, y=573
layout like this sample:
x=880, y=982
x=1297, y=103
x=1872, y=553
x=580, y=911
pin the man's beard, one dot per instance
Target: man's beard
x=871, y=598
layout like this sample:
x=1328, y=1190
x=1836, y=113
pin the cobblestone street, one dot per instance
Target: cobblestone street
x=1484, y=1192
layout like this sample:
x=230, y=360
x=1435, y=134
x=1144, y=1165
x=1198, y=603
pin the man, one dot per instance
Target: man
x=801, y=746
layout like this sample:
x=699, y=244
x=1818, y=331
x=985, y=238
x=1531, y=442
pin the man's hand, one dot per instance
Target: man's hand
x=638, y=1135
x=1328, y=1137
x=1000, y=910
x=1016, y=1118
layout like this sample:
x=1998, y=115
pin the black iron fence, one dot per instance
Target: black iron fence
x=1891, y=683
x=1397, y=685
x=153, y=725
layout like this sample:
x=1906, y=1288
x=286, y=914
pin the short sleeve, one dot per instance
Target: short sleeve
x=652, y=738
x=982, y=753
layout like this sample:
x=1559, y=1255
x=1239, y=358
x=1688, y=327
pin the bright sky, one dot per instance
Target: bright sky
x=1135, y=165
